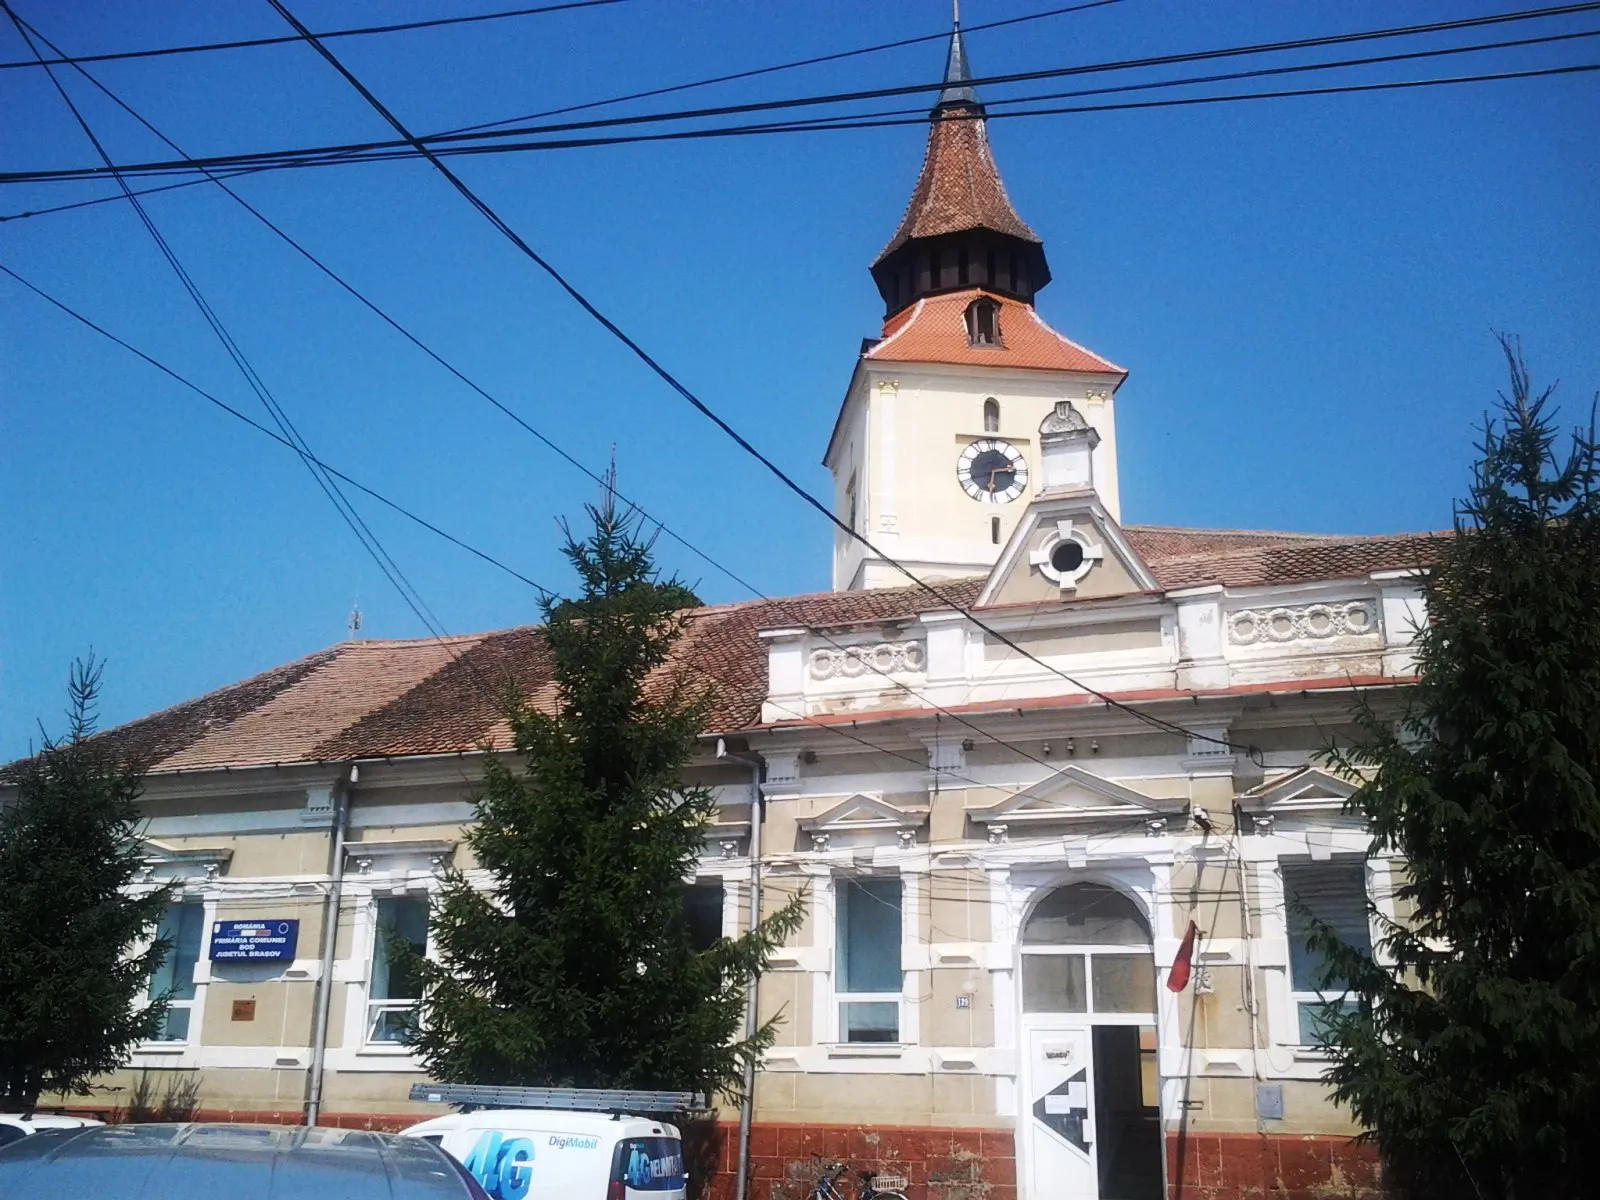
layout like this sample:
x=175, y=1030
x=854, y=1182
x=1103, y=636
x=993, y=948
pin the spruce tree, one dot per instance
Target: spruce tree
x=575, y=968
x=75, y=962
x=1473, y=1053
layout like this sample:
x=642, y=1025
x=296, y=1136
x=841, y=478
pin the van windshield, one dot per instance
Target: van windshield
x=653, y=1164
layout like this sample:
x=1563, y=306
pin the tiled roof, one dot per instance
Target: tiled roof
x=934, y=329
x=959, y=187
x=378, y=699
x=1294, y=559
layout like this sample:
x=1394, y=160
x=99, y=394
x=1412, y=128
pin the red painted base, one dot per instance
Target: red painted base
x=1250, y=1166
x=963, y=1164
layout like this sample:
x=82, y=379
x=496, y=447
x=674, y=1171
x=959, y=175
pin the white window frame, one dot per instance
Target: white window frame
x=372, y=1007
x=1090, y=953
x=837, y=999
x=1299, y=998
x=194, y=1006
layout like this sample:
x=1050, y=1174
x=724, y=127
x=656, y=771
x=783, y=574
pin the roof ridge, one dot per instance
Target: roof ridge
x=1078, y=346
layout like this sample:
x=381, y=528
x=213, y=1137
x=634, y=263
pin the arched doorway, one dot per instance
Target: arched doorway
x=1090, y=1117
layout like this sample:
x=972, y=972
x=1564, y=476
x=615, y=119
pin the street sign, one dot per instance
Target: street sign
x=254, y=941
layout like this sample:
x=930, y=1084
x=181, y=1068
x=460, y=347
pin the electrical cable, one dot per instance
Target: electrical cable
x=942, y=35
x=592, y=104
x=326, y=484
x=1219, y=893
x=378, y=150
x=372, y=306
x=500, y=224
x=244, y=43
x=499, y=564
x=277, y=437
x=705, y=410
x=809, y=125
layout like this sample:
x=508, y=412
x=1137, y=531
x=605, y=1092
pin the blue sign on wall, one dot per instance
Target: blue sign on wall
x=254, y=941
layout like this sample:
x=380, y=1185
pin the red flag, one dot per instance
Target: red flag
x=1178, y=977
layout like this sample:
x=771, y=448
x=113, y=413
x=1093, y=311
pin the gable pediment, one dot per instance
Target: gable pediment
x=1073, y=794
x=1066, y=546
x=863, y=812
x=863, y=820
x=1309, y=789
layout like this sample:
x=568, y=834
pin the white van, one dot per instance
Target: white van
x=550, y=1154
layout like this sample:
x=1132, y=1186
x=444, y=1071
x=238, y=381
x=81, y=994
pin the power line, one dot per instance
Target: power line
x=835, y=124
x=275, y=436
x=389, y=320
x=705, y=410
x=592, y=104
x=244, y=43
x=497, y=563
x=411, y=337
x=329, y=486
x=942, y=35
x=481, y=142
x=835, y=729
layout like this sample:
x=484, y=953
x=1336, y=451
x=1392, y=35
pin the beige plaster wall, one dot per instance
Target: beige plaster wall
x=778, y=890
x=1207, y=893
x=958, y=904
x=1229, y=1106
x=282, y=1017
x=1143, y=634
x=787, y=996
x=944, y=1023
x=851, y=1098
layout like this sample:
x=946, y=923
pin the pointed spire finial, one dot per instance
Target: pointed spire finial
x=957, y=74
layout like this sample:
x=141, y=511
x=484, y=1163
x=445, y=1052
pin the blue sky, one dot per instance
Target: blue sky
x=1304, y=291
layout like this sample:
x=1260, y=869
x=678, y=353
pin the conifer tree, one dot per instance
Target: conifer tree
x=576, y=967
x=1473, y=1053
x=75, y=962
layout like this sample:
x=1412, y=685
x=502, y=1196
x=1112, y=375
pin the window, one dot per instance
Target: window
x=183, y=926
x=702, y=904
x=994, y=530
x=991, y=415
x=935, y=269
x=1109, y=968
x=1334, y=893
x=399, y=922
x=988, y=265
x=983, y=323
x=867, y=959
x=850, y=502
x=961, y=266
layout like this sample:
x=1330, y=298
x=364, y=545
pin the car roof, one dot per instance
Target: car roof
x=240, y=1162
x=554, y=1119
x=47, y=1120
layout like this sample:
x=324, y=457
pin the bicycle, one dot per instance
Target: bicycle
x=874, y=1186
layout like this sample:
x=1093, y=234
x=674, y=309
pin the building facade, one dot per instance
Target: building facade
x=1019, y=800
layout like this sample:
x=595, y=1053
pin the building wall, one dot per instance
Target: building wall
x=903, y=429
x=975, y=823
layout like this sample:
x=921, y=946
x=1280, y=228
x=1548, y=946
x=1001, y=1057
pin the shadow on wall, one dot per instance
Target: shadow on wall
x=178, y=1099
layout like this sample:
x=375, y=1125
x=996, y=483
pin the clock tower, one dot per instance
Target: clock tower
x=936, y=451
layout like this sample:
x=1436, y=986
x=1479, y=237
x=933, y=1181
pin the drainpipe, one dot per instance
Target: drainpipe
x=330, y=935
x=741, y=1184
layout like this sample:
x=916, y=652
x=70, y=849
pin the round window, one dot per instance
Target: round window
x=1067, y=557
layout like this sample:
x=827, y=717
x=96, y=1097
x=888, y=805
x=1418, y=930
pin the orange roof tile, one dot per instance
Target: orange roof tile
x=935, y=330
x=381, y=699
x=959, y=187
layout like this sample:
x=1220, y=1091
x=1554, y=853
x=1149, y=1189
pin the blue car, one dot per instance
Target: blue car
x=229, y=1162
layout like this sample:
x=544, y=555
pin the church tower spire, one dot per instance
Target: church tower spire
x=969, y=411
x=960, y=229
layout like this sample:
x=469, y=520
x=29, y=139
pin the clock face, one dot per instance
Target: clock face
x=992, y=471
